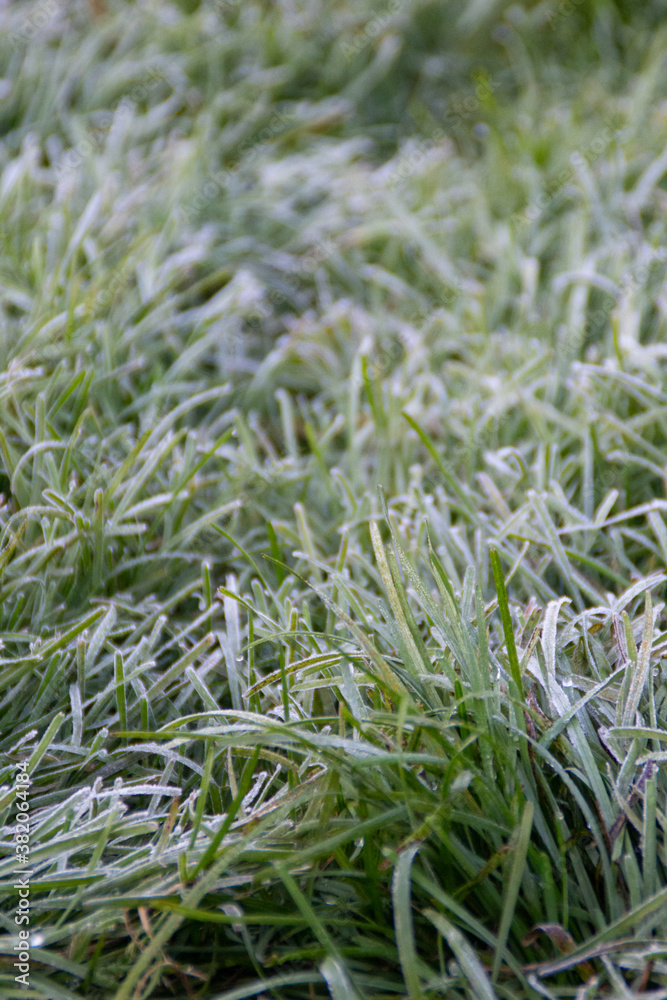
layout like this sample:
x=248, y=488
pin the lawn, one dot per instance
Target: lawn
x=333, y=542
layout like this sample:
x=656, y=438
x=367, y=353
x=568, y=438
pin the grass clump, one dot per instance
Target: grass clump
x=289, y=734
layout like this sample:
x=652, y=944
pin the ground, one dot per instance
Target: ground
x=332, y=534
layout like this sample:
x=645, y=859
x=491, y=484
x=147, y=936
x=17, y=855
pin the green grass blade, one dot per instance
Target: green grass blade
x=513, y=884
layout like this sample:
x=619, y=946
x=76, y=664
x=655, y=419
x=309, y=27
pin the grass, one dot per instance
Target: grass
x=332, y=542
